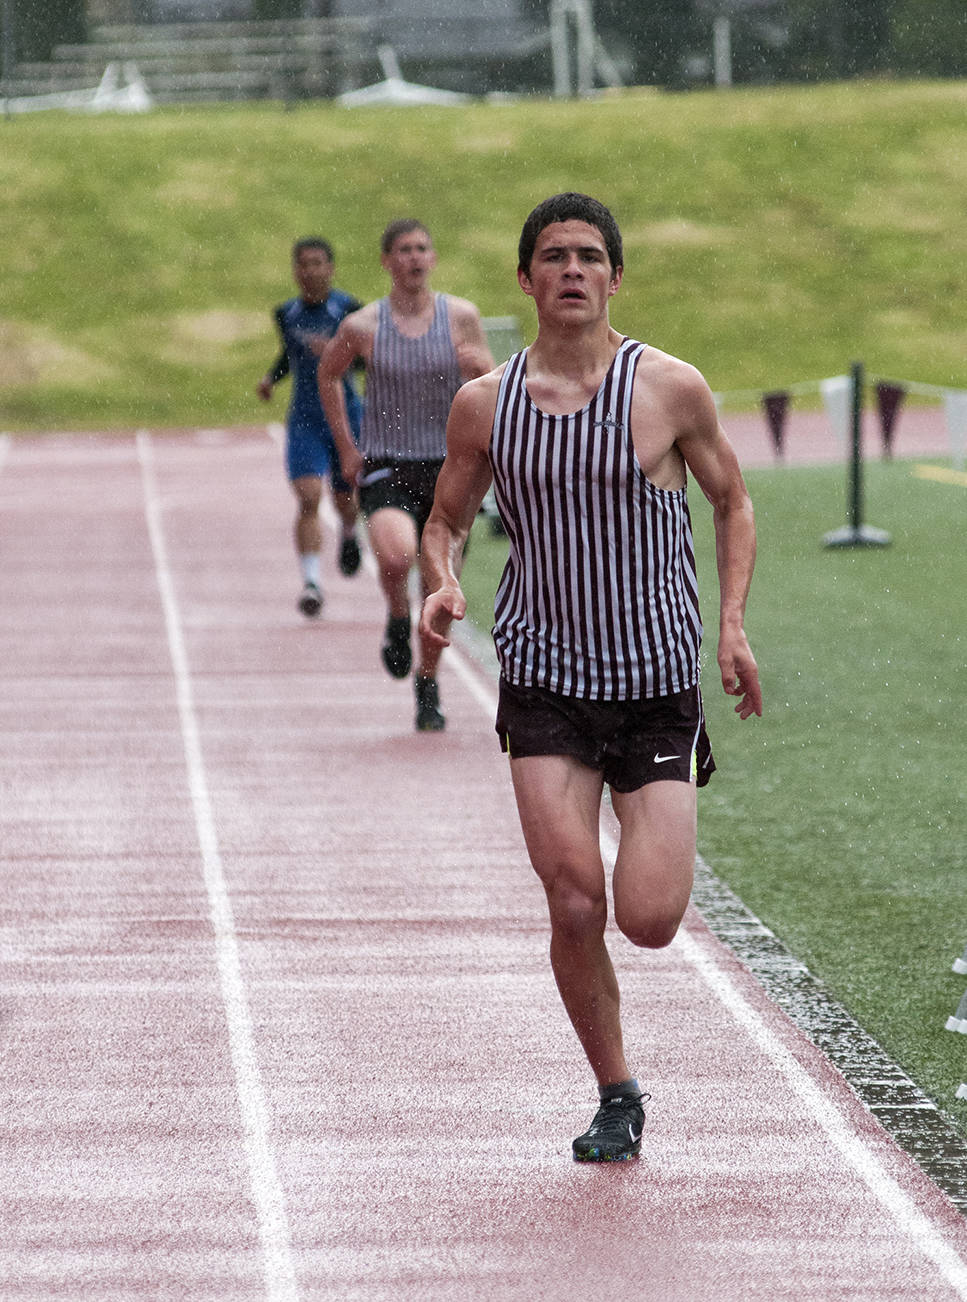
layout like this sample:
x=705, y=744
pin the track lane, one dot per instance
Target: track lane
x=421, y=1085
x=120, y=1133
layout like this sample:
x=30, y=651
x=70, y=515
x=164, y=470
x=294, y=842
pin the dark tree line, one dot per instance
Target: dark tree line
x=33, y=27
x=663, y=42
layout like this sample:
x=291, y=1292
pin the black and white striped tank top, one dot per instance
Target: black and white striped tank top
x=410, y=384
x=599, y=598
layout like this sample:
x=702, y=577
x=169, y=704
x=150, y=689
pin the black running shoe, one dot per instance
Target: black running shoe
x=310, y=601
x=349, y=556
x=428, y=716
x=615, y=1133
x=396, y=653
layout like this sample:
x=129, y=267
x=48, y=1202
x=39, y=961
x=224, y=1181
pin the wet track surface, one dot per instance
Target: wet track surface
x=276, y=1014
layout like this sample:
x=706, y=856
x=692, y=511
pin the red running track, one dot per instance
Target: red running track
x=277, y=1021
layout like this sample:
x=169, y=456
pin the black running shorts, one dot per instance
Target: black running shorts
x=406, y=485
x=630, y=742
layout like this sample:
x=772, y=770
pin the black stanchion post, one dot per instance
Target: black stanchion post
x=855, y=517
x=856, y=533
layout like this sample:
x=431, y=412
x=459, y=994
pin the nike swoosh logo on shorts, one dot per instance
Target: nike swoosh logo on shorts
x=663, y=759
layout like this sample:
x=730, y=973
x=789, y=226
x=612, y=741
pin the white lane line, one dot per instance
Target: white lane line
x=909, y=1220
x=279, y=1270
x=461, y=661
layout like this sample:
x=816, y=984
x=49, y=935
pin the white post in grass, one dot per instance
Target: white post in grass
x=955, y=411
x=958, y=1022
x=837, y=394
x=572, y=18
x=722, y=50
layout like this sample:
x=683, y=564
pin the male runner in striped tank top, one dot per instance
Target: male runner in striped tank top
x=419, y=347
x=587, y=437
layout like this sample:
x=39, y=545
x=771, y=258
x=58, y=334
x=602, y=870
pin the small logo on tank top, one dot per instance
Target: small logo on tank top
x=610, y=422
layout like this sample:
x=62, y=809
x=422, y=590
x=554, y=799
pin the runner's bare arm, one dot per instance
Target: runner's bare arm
x=712, y=460
x=350, y=341
x=470, y=340
x=464, y=479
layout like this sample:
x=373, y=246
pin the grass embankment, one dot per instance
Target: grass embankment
x=771, y=235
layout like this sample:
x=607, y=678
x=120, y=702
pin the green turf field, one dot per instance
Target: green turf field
x=771, y=235
x=839, y=817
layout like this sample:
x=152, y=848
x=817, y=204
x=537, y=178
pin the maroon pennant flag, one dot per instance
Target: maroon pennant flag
x=888, y=400
x=776, y=406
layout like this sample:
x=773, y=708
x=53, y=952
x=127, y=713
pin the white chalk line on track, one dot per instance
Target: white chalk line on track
x=267, y=1195
x=901, y=1208
x=857, y=1154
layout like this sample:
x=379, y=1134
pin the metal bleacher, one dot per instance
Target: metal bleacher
x=208, y=61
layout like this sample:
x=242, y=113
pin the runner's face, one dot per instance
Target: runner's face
x=312, y=272
x=410, y=260
x=570, y=277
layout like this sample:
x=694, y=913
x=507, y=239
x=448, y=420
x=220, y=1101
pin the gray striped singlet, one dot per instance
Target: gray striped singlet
x=410, y=384
x=599, y=598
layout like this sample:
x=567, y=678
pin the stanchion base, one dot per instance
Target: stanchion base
x=863, y=535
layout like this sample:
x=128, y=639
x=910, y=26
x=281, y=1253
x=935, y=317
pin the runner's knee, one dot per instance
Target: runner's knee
x=577, y=913
x=652, y=931
x=394, y=565
x=308, y=501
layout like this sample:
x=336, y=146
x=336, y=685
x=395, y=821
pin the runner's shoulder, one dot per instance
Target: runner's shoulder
x=461, y=309
x=362, y=321
x=478, y=397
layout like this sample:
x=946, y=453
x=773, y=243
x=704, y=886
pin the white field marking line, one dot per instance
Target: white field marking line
x=275, y=433
x=471, y=679
x=461, y=664
x=280, y=1277
x=899, y=1205
x=4, y=448
x=901, y=1208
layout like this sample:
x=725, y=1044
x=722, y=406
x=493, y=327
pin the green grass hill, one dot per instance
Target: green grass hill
x=771, y=235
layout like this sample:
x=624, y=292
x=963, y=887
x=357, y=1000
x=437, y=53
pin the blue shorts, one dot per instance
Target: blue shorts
x=310, y=450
